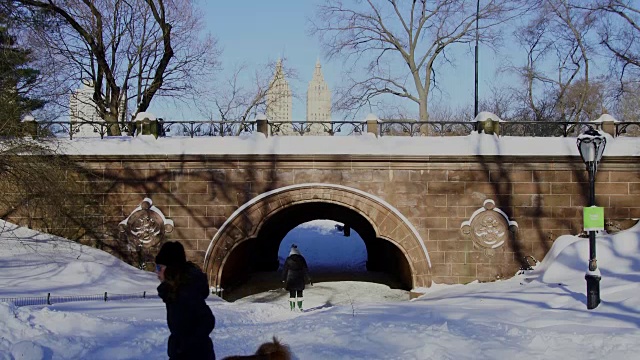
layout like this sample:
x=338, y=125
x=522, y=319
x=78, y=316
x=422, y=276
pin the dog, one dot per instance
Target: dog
x=273, y=350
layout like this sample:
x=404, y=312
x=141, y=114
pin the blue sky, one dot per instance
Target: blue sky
x=255, y=32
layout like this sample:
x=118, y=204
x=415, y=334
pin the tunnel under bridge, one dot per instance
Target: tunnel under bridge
x=248, y=242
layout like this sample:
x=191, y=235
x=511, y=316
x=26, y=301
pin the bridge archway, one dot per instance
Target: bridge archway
x=251, y=235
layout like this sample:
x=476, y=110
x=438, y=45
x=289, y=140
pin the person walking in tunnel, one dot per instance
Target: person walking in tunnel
x=183, y=289
x=295, y=275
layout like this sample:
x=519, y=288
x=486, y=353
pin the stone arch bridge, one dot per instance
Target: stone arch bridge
x=423, y=218
x=445, y=209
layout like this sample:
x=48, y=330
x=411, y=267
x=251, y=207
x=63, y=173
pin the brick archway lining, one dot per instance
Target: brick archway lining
x=388, y=223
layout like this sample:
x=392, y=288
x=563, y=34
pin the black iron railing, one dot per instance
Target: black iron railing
x=425, y=128
x=628, y=129
x=205, y=128
x=73, y=129
x=317, y=127
x=166, y=128
x=551, y=129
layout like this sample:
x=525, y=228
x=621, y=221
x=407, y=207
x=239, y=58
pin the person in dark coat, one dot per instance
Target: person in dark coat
x=295, y=275
x=183, y=289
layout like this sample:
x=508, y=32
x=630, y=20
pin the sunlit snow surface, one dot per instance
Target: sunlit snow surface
x=540, y=315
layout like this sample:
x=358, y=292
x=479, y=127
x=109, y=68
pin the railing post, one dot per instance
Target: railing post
x=146, y=124
x=488, y=122
x=262, y=124
x=609, y=127
x=423, y=130
x=372, y=124
x=30, y=126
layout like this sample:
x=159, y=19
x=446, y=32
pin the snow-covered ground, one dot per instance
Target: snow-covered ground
x=539, y=315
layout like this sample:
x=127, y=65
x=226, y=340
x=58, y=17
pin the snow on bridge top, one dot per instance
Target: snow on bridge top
x=365, y=144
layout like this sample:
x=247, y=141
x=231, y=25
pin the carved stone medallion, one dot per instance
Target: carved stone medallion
x=488, y=227
x=146, y=224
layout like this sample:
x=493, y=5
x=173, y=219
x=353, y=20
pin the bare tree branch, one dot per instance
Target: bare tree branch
x=400, y=42
x=132, y=50
x=559, y=47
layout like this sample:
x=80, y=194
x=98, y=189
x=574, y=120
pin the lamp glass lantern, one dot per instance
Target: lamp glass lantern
x=591, y=146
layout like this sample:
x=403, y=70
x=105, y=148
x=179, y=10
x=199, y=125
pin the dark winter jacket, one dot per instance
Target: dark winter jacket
x=189, y=318
x=295, y=272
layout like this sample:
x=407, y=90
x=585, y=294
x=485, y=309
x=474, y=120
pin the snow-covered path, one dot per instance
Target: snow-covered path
x=540, y=315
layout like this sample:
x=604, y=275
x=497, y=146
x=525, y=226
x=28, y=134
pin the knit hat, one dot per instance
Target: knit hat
x=171, y=253
x=294, y=250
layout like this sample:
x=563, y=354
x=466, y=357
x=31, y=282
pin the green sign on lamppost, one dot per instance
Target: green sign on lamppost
x=591, y=146
x=593, y=217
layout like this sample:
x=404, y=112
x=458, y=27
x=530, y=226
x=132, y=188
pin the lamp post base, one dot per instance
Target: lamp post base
x=593, y=290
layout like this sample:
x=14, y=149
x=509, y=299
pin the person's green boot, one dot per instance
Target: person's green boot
x=300, y=303
x=292, y=304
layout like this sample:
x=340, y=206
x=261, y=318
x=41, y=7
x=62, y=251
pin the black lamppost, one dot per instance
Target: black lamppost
x=591, y=146
x=475, y=97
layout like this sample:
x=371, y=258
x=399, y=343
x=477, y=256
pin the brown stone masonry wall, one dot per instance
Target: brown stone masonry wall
x=544, y=195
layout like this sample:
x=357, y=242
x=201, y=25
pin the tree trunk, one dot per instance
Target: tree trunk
x=113, y=129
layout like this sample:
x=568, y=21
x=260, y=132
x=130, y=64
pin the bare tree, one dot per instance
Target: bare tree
x=244, y=93
x=401, y=42
x=241, y=99
x=499, y=102
x=628, y=103
x=559, y=51
x=238, y=102
x=587, y=101
x=619, y=34
x=131, y=51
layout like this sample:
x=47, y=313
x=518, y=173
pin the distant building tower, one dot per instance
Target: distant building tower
x=318, y=101
x=82, y=108
x=279, y=101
